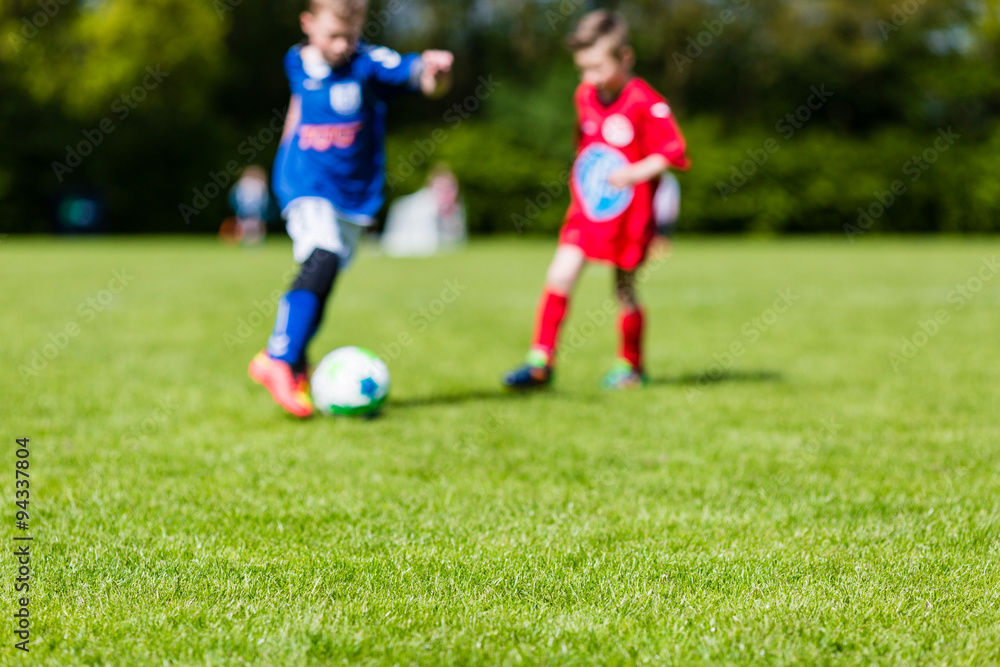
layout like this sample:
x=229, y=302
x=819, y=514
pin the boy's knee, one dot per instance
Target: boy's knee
x=627, y=302
x=626, y=296
x=560, y=279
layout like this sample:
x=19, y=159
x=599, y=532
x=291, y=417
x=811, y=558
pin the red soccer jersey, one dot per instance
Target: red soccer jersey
x=609, y=224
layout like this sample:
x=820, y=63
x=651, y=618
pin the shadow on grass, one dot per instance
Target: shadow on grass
x=704, y=378
x=455, y=399
x=708, y=377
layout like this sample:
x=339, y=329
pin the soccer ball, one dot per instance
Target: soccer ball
x=350, y=381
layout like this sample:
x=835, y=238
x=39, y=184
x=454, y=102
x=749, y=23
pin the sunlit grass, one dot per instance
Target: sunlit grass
x=779, y=493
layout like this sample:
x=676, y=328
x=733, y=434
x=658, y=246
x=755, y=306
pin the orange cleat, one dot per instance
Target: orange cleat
x=302, y=385
x=287, y=390
x=302, y=376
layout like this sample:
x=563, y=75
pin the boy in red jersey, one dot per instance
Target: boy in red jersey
x=627, y=139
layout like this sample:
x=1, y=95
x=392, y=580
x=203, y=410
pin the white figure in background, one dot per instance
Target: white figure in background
x=667, y=204
x=427, y=221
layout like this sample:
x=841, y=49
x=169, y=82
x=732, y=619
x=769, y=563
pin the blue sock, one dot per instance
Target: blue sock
x=294, y=326
x=300, y=311
x=303, y=364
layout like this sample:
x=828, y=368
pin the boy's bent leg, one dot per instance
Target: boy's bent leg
x=629, y=371
x=631, y=319
x=322, y=248
x=554, y=303
x=565, y=269
x=631, y=325
x=324, y=245
x=552, y=307
x=317, y=277
x=549, y=317
x=282, y=368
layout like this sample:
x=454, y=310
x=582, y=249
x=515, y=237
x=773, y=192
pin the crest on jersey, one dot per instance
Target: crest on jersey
x=600, y=200
x=618, y=130
x=345, y=98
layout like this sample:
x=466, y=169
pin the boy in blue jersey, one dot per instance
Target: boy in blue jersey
x=329, y=173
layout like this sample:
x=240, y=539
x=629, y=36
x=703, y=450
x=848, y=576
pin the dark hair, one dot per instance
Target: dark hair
x=596, y=26
x=346, y=10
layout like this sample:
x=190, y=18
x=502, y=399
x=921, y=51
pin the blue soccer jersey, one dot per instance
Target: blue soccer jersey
x=337, y=151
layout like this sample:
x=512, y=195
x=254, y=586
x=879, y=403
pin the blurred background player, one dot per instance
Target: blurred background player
x=666, y=211
x=430, y=220
x=627, y=139
x=329, y=173
x=250, y=199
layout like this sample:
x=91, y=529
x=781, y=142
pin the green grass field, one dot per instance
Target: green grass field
x=785, y=491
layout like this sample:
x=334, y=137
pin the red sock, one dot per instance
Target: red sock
x=551, y=312
x=630, y=324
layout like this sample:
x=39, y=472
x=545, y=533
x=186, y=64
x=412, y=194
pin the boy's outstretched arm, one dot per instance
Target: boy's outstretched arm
x=435, y=80
x=644, y=170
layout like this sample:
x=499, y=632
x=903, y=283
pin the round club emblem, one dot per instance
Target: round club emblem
x=600, y=200
x=618, y=131
x=345, y=98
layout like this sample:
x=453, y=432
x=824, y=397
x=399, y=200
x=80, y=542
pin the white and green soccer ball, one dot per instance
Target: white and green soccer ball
x=350, y=381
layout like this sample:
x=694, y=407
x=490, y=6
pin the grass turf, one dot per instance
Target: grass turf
x=785, y=491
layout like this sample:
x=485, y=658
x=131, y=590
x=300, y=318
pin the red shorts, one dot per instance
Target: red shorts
x=622, y=240
x=617, y=244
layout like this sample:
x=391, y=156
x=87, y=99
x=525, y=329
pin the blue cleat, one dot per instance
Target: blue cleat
x=534, y=374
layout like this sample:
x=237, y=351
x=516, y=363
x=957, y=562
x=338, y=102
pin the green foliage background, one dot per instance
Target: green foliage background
x=900, y=72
